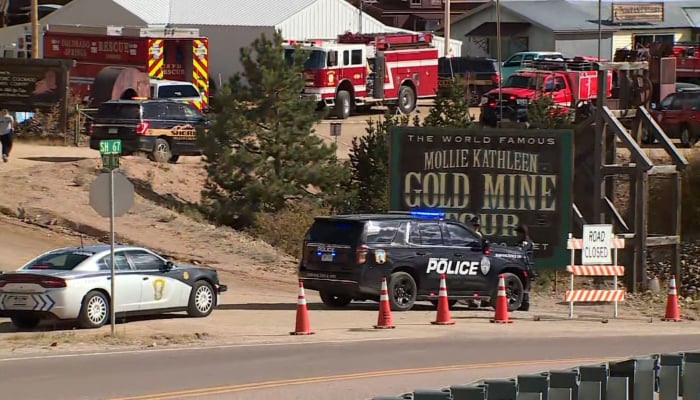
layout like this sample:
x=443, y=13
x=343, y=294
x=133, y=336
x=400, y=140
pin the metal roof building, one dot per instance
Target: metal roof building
x=229, y=24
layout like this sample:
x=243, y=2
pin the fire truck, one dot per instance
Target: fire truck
x=164, y=53
x=570, y=83
x=357, y=71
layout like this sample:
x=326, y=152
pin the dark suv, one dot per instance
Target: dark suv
x=346, y=256
x=479, y=73
x=163, y=129
x=678, y=114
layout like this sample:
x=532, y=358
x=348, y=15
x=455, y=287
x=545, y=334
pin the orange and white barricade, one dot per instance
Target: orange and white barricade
x=585, y=295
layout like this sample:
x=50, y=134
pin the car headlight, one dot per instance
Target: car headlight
x=522, y=102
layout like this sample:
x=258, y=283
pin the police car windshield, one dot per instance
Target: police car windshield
x=64, y=260
x=316, y=60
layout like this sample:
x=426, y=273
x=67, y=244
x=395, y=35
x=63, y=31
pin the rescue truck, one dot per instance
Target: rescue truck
x=357, y=71
x=177, y=54
x=687, y=62
x=571, y=84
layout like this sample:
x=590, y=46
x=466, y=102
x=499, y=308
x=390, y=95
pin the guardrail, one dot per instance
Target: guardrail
x=657, y=376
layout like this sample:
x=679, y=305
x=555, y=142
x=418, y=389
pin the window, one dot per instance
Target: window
x=346, y=57
x=430, y=233
x=456, y=235
x=191, y=113
x=145, y=261
x=335, y=232
x=120, y=262
x=177, y=91
x=514, y=61
x=155, y=110
x=559, y=83
x=64, y=260
x=416, y=2
x=381, y=231
x=357, y=57
x=666, y=102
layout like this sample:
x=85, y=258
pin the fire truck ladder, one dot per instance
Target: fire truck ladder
x=386, y=41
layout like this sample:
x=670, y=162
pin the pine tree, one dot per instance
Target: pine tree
x=261, y=150
x=543, y=113
x=451, y=107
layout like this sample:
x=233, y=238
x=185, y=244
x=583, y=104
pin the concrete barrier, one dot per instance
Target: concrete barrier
x=658, y=376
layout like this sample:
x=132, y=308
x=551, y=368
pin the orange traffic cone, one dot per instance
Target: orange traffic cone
x=443, y=310
x=302, y=325
x=501, y=303
x=673, y=313
x=384, y=321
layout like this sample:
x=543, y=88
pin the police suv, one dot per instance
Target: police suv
x=345, y=257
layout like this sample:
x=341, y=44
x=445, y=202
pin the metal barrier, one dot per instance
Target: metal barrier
x=615, y=295
x=658, y=376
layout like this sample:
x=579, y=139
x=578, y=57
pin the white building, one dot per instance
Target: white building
x=229, y=24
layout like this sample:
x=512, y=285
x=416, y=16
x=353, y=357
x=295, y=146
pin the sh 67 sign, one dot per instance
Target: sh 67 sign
x=506, y=177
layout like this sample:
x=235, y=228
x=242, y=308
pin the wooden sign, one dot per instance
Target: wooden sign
x=637, y=12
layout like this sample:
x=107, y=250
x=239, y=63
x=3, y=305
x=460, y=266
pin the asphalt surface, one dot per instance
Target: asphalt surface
x=322, y=370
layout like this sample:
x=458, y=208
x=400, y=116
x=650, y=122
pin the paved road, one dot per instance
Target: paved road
x=322, y=370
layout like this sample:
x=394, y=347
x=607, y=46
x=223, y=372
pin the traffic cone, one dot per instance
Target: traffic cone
x=501, y=303
x=673, y=314
x=443, y=309
x=302, y=325
x=384, y=321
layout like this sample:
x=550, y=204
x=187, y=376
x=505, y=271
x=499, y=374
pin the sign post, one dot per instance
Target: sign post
x=110, y=150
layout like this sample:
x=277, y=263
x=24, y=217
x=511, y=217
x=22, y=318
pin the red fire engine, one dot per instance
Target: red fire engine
x=164, y=53
x=687, y=61
x=360, y=70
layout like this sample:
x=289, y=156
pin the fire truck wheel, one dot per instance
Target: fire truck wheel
x=407, y=99
x=161, y=151
x=343, y=104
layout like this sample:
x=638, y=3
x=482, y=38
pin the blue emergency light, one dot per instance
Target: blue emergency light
x=427, y=214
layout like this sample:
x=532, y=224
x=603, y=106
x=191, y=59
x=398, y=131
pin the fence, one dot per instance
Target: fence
x=587, y=295
x=658, y=376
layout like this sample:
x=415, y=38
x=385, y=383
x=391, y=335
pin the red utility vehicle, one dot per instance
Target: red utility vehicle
x=360, y=70
x=178, y=54
x=570, y=84
x=687, y=62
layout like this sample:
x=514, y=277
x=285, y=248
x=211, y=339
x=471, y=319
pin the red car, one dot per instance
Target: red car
x=678, y=114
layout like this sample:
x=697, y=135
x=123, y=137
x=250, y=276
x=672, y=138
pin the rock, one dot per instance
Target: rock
x=659, y=265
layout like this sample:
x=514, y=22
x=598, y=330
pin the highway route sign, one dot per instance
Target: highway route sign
x=111, y=146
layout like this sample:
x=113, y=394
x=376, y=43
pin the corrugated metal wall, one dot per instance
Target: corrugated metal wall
x=326, y=19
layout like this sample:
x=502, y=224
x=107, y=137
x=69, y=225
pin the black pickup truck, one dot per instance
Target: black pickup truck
x=480, y=74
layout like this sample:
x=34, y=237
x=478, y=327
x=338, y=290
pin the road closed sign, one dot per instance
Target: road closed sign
x=597, y=243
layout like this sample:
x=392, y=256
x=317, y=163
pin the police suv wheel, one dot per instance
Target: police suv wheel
x=161, y=151
x=515, y=292
x=402, y=291
x=334, y=300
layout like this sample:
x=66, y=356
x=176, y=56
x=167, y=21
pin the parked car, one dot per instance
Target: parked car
x=163, y=129
x=519, y=61
x=74, y=283
x=686, y=87
x=345, y=258
x=480, y=74
x=678, y=114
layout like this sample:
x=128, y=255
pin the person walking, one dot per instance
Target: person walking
x=7, y=125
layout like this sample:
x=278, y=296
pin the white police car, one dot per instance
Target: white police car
x=75, y=284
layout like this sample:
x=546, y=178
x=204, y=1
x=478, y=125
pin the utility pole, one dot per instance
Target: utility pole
x=446, y=26
x=35, y=28
x=362, y=2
